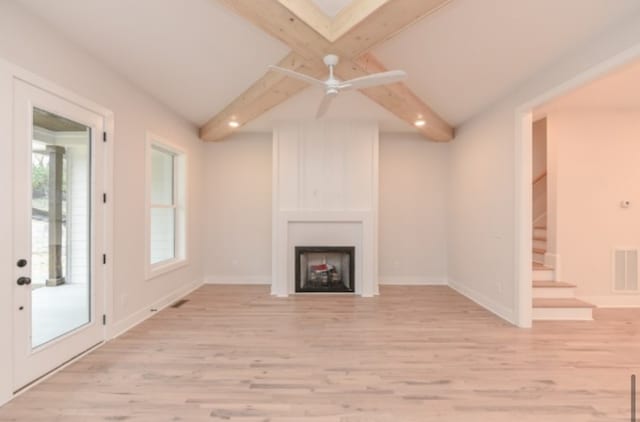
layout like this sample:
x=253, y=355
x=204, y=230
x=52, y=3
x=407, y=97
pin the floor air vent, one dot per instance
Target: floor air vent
x=625, y=270
x=179, y=303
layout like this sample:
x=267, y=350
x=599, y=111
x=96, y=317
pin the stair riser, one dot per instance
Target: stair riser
x=540, y=233
x=538, y=257
x=540, y=244
x=543, y=275
x=562, y=314
x=553, y=292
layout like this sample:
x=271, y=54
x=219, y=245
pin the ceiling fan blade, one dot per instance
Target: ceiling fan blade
x=324, y=105
x=382, y=78
x=297, y=75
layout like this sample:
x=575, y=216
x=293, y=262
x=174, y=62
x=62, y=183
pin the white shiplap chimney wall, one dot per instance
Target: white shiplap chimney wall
x=325, y=192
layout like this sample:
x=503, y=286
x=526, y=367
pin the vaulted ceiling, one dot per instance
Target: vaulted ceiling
x=197, y=56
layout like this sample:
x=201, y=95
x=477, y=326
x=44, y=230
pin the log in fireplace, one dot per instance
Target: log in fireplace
x=325, y=268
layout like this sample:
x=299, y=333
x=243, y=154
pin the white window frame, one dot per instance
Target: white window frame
x=180, y=258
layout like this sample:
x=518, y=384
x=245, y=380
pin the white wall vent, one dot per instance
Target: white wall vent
x=625, y=270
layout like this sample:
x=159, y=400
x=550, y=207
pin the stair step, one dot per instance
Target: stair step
x=561, y=309
x=541, y=238
x=541, y=272
x=552, y=284
x=536, y=266
x=561, y=303
x=549, y=289
x=539, y=251
x=540, y=227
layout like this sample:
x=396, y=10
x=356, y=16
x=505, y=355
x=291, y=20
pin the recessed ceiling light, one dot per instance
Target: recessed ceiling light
x=419, y=123
x=234, y=124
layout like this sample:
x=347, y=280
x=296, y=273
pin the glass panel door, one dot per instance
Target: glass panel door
x=60, y=230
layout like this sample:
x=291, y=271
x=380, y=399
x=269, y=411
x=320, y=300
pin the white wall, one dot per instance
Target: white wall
x=486, y=259
x=481, y=208
x=238, y=208
x=597, y=167
x=29, y=43
x=412, y=210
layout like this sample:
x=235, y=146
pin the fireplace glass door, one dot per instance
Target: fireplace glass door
x=325, y=269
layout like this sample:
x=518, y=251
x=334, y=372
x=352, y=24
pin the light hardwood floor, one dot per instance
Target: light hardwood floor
x=233, y=353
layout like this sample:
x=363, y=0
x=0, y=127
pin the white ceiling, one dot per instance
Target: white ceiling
x=618, y=90
x=196, y=56
x=473, y=52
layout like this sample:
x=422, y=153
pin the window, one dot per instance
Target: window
x=166, y=206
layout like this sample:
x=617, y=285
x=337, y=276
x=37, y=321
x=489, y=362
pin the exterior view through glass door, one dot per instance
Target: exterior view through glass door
x=58, y=289
x=60, y=207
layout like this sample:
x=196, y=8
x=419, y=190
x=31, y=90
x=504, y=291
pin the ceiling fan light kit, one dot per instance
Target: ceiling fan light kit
x=333, y=86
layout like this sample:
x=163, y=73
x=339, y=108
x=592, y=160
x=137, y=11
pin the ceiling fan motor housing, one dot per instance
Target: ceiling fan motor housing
x=331, y=60
x=332, y=91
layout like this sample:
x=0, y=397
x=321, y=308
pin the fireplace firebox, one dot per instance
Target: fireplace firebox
x=325, y=269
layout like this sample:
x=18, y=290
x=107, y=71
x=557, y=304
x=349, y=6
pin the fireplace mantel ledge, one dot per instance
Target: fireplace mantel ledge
x=329, y=216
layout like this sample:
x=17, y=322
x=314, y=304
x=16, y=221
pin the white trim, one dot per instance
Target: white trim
x=523, y=159
x=124, y=325
x=276, y=289
x=181, y=255
x=236, y=279
x=404, y=280
x=6, y=225
x=484, y=301
x=164, y=267
x=10, y=72
x=375, y=210
x=523, y=242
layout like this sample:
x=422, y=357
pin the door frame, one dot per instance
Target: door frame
x=9, y=73
x=523, y=157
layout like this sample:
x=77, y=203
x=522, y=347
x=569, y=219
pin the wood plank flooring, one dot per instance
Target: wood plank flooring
x=233, y=353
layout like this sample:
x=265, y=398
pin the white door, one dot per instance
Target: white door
x=58, y=231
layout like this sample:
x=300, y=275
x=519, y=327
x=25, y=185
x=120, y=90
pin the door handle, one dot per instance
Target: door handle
x=24, y=281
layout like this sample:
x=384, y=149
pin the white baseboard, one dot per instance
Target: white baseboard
x=124, y=325
x=484, y=301
x=614, y=301
x=404, y=280
x=234, y=279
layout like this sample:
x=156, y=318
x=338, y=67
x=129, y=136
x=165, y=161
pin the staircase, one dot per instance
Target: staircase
x=553, y=300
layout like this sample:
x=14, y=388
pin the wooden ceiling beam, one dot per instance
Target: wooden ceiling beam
x=311, y=35
x=267, y=92
x=309, y=13
x=365, y=24
x=352, y=15
x=398, y=99
x=277, y=20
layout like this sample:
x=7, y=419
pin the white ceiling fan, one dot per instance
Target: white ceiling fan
x=333, y=86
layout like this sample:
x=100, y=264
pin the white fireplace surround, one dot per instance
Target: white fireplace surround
x=325, y=193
